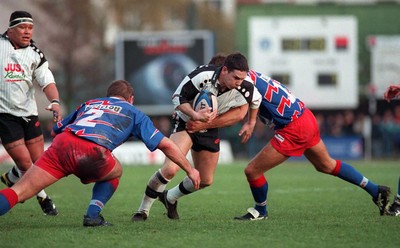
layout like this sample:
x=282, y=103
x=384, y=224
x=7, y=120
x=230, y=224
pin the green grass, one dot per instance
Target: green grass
x=306, y=209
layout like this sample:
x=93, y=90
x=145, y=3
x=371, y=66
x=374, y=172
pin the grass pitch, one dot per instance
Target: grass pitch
x=306, y=209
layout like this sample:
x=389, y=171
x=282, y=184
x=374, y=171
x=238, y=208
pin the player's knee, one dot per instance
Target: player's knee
x=323, y=168
x=23, y=165
x=249, y=172
x=168, y=171
x=205, y=184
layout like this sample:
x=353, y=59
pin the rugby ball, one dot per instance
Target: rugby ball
x=205, y=99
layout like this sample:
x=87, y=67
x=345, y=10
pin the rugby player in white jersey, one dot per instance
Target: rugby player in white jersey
x=234, y=97
x=22, y=65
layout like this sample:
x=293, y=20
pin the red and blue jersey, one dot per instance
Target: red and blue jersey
x=110, y=122
x=279, y=106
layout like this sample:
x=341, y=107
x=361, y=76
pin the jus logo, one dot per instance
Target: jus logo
x=13, y=68
x=14, y=71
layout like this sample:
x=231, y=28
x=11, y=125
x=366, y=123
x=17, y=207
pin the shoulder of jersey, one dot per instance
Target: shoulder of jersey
x=247, y=84
x=36, y=49
x=39, y=52
x=246, y=89
x=203, y=69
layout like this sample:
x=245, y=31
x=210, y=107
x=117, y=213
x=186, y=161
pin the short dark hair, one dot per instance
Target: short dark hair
x=120, y=88
x=236, y=61
x=218, y=59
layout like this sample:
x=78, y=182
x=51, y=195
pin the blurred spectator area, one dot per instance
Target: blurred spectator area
x=381, y=129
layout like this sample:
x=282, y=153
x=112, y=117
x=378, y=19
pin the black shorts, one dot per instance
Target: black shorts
x=13, y=128
x=208, y=140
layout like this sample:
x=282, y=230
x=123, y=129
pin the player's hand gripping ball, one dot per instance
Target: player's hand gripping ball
x=205, y=99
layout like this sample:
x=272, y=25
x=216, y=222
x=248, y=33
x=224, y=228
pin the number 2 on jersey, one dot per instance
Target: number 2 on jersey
x=89, y=121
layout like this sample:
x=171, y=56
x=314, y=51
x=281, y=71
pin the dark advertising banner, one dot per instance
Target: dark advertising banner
x=156, y=62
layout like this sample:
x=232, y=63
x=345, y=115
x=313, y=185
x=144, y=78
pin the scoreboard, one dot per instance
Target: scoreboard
x=315, y=56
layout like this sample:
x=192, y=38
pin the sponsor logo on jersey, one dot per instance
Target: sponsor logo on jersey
x=154, y=133
x=113, y=108
x=14, y=72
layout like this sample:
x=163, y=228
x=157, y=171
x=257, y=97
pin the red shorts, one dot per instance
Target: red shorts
x=69, y=154
x=297, y=136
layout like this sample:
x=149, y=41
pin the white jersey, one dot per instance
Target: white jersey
x=205, y=77
x=19, y=69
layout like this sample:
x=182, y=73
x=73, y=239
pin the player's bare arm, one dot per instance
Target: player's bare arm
x=247, y=129
x=226, y=119
x=172, y=151
x=52, y=95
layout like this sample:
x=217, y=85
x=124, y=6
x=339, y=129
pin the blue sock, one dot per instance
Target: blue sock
x=101, y=193
x=4, y=205
x=259, y=189
x=351, y=175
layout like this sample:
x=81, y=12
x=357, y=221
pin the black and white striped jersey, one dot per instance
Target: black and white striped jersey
x=206, y=77
x=20, y=68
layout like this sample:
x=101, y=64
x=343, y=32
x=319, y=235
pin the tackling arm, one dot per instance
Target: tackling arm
x=172, y=151
x=204, y=115
x=226, y=119
x=247, y=129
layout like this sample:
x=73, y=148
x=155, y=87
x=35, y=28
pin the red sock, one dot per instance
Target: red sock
x=11, y=196
x=256, y=183
x=335, y=171
x=114, y=182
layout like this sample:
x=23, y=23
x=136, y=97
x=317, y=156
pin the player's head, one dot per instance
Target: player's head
x=121, y=88
x=218, y=59
x=20, y=28
x=20, y=17
x=234, y=71
x=236, y=61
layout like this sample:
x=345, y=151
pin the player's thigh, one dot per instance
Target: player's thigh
x=19, y=153
x=184, y=142
x=205, y=162
x=116, y=172
x=34, y=180
x=265, y=160
x=35, y=147
x=319, y=156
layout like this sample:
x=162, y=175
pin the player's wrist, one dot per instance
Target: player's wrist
x=55, y=101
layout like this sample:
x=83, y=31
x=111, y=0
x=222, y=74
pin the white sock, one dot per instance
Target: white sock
x=14, y=174
x=397, y=198
x=175, y=193
x=157, y=183
x=42, y=194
